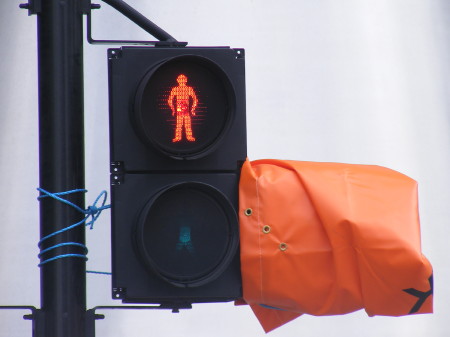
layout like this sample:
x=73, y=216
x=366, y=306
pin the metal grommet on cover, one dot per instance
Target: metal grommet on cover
x=266, y=229
x=283, y=246
x=248, y=212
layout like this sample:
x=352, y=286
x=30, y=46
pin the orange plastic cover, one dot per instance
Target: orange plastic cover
x=329, y=239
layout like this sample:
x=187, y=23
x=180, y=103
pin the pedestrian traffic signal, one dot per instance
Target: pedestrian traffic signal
x=178, y=140
x=182, y=125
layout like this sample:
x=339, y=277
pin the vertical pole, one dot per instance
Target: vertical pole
x=61, y=155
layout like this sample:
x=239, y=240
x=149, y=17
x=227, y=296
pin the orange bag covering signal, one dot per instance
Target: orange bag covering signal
x=330, y=239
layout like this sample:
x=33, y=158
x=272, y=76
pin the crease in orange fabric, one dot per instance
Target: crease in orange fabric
x=330, y=239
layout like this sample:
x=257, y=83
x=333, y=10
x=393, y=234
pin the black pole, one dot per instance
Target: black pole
x=61, y=155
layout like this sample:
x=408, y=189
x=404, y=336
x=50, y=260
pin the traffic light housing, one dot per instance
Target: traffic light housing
x=178, y=140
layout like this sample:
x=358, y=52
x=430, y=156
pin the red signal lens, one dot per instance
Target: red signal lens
x=183, y=102
x=184, y=106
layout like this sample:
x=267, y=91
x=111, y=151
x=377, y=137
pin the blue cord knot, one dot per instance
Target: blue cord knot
x=92, y=212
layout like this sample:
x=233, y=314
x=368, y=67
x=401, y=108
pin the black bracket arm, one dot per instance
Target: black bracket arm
x=92, y=316
x=35, y=316
x=33, y=6
x=164, y=38
x=86, y=7
x=140, y=20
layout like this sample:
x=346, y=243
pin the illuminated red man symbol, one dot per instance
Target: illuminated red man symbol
x=181, y=94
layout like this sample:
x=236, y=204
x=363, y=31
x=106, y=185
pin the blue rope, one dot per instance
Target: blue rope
x=98, y=272
x=91, y=215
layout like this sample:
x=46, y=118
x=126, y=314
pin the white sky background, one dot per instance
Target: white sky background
x=355, y=81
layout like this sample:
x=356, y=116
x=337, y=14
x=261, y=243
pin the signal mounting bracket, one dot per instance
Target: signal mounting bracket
x=92, y=316
x=164, y=38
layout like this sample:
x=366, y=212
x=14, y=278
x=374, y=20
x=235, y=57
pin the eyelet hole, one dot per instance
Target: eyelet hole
x=248, y=212
x=266, y=229
x=283, y=246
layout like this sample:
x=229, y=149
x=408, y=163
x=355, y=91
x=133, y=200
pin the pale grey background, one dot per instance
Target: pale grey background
x=356, y=81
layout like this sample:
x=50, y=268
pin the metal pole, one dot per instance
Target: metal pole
x=61, y=155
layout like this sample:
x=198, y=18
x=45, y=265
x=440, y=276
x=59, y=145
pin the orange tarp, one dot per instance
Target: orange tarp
x=329, y=239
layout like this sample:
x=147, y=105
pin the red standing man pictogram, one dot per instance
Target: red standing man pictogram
x=182, y=94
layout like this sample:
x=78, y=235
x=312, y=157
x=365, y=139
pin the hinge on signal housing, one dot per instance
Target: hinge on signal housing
x=117, y=172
